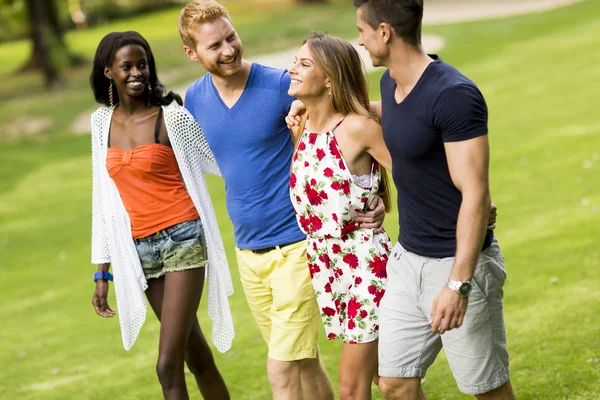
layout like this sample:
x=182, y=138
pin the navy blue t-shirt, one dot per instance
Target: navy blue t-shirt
x=444, y=106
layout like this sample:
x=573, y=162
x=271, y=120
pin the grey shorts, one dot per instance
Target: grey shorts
x=177, y=248
x=476, y=351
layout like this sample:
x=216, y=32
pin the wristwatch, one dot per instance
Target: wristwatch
x=463, y=288
x=105, y=275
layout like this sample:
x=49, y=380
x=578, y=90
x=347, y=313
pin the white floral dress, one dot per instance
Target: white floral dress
x=347, y=264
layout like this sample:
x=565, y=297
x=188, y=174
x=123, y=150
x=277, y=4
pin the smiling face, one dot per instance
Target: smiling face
x=370, y=39
x=218, y=47
x=308, y=78
x=129, y=71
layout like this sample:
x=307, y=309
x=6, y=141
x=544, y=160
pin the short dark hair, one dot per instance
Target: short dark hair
x=405, y=17
x=105, y=55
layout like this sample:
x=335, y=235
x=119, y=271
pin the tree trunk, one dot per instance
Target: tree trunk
x=49, y=52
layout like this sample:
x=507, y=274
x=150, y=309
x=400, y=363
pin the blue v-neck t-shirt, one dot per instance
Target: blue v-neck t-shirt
x=253, y=148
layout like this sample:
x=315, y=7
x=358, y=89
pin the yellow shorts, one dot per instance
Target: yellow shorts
x=281, y=297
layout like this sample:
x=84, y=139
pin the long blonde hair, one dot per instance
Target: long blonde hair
x=344, y=68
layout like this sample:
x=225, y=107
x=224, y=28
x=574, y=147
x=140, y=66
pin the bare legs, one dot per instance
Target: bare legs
x=410, y=389
x=175, y=298
x=358, y=366
x=299, y=380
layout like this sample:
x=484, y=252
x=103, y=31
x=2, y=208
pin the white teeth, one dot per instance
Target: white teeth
x=136, y=84
x=295, y=82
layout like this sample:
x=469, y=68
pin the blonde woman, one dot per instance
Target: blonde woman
x=336, y=170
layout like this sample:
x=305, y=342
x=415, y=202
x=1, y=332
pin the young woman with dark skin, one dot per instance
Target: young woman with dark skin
x=146, y=168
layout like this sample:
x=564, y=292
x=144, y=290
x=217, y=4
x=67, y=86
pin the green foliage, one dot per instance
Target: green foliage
x=12, y=19
x=537, y=74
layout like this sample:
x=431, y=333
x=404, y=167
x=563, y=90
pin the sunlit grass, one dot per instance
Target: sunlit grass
x=537, y=73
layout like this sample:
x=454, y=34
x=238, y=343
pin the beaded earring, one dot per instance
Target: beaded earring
x=110, y=94
x=149, y=93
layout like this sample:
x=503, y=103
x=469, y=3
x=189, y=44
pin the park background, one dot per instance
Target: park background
x=540, y=76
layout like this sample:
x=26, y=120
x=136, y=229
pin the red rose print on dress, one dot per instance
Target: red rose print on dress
x=349, y=227
x=347, y=265
x=313, y=269
x=378, y=296
x=315, y=222
x=330, y=312
x=333, y=149
x=320, y=154
x=346, y=186
x=313, y=196
x=351, y=260
x=305, y=223
x=324, y=258
x=353, y=307
x=378, y=266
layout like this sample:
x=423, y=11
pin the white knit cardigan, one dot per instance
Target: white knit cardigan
x=111, y=230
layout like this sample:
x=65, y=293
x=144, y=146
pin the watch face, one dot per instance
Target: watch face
x=464, y=289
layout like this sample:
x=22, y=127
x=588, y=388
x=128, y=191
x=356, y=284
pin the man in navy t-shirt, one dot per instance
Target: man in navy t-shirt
x=446, y=273
x=241, y=107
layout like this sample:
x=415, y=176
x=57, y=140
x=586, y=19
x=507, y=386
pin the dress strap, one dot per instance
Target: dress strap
x=340, y=122
x=157, y=126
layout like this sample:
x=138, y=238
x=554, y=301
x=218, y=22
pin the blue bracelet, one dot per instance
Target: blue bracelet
x=107, y=276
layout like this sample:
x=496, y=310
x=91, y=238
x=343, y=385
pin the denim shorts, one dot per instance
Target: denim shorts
x=476, y=351
x=177, y=248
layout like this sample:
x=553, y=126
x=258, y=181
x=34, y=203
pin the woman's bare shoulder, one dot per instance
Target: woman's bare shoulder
x=361, y=127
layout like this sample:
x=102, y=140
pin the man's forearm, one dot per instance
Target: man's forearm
x=470, y=232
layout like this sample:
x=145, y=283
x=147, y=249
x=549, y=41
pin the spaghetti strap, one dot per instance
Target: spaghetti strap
x=157, y=126
x=340, y=122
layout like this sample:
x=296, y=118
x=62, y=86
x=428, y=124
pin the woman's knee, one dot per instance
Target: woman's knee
x=350, y=391
x=354, y=385
x=200, y=363
x=168, y=370
x=198, y=355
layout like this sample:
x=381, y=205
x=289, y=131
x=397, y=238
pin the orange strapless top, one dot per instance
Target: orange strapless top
x=150, y=184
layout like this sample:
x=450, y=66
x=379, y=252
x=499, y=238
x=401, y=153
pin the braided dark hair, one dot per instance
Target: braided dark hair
x=105, y=55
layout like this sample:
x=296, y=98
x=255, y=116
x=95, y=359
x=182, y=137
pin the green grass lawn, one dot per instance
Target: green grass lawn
x=540, y=76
